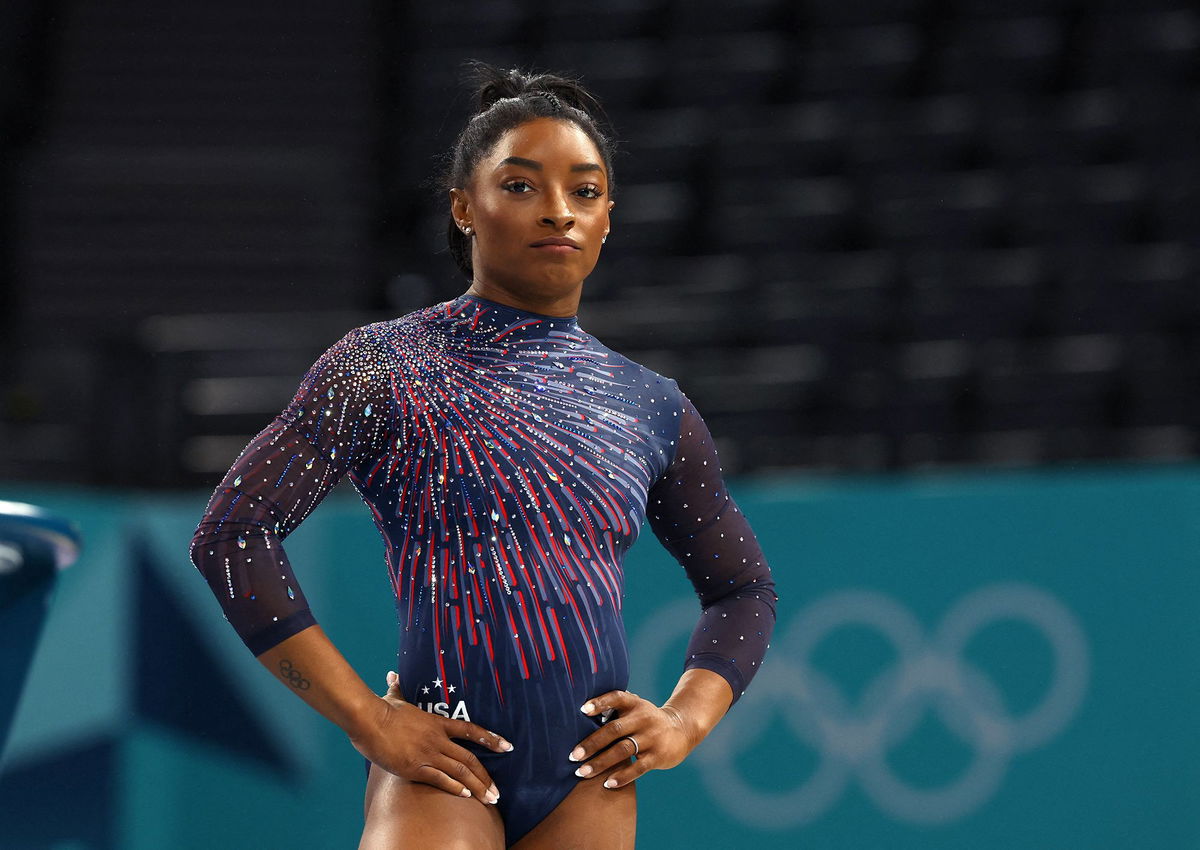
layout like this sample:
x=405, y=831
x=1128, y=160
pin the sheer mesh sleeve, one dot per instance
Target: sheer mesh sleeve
x=698, y=522
x=339, y=418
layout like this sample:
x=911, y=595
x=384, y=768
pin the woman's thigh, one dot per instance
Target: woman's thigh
x=400, y=814
x=591, y=817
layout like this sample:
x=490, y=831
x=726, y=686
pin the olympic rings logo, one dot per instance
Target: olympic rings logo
x=292, y=676
x=931, y=674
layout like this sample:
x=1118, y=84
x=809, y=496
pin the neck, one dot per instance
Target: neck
x=562, y=305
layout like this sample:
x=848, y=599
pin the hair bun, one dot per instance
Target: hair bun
x=496, y=84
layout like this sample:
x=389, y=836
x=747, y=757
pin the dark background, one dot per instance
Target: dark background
x=867, y=235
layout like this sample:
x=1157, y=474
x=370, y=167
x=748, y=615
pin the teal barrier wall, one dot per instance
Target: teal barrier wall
x=985, y=662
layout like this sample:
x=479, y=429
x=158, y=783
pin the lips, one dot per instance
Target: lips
x=555, y=242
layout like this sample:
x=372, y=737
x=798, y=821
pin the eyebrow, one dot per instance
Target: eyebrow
x=537, y=166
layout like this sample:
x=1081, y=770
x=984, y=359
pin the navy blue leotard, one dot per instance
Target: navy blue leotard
x=509, y=460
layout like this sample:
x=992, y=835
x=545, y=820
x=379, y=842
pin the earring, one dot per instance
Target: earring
x=467, y=229
x=603, y=238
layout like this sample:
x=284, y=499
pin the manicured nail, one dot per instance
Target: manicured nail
x=586, y=770
x=587, y=707
x=466, y=792
x=576, y=754
x=506, y=746
x=493, y=794
x=610, y=783
x=392, y=677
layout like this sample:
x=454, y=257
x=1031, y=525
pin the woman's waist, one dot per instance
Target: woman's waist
x=545, y=706
x=467, y=682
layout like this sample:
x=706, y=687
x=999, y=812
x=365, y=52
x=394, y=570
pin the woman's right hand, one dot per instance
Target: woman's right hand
x=418, y=746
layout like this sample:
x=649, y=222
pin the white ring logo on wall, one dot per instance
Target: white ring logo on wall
x=852, y=741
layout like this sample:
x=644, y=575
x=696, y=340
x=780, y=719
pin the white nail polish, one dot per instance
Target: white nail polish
x=587, y=708
x=583, y=771
x=466, y=792
x=506, y=746
x=576, y=754
x=610, y=783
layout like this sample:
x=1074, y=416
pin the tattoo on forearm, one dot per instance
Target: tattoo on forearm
x=292, y=676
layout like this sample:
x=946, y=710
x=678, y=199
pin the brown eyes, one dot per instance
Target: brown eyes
x=521, y=187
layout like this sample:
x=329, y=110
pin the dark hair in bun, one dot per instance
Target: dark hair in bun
x=507, y=99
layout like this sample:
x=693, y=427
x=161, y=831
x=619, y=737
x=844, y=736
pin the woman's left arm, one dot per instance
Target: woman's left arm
x=699, y=523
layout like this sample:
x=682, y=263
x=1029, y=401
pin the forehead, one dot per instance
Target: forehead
x=550, y=141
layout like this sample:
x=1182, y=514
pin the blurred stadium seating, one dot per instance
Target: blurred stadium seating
x=872, y=235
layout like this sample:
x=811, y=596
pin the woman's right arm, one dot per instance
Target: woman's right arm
x=343, y=415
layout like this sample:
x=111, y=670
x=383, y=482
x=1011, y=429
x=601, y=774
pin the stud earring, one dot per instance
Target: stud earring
x=467, y=229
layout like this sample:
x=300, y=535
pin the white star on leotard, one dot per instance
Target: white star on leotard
x=450, y=688
x=437, y=683
x=425, y=689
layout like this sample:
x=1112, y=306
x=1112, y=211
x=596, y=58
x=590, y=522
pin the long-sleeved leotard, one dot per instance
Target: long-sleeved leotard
x=509, y=460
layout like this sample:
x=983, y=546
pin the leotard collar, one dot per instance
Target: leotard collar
x=506, y=314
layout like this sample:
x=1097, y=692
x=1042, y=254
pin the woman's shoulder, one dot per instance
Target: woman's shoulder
x=635, y=371
x=393, y=335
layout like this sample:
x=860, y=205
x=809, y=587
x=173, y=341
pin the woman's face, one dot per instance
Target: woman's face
x=537, y=206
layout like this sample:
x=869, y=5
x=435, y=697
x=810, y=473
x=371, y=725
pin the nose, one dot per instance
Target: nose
x=557, y=213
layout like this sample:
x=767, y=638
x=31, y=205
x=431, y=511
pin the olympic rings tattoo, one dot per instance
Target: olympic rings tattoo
x=292, y=675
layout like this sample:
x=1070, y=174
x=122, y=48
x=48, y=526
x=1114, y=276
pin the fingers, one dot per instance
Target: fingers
x=602, y=738
x=463, y=766
x=444, y=764
x=638, y=729
x=457, y=728
x=394, y=692
x=453, y=777
x=620, y=705
x=468, y=731
x=627, y=774
x=621, y=750
x=617, y=700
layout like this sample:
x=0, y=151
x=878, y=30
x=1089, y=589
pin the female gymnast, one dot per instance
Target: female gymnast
x=509, y=460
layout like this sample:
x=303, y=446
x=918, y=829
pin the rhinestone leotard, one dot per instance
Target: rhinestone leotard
x=508, y=459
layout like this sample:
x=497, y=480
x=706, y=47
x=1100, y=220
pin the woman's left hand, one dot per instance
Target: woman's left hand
x=658, y=736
